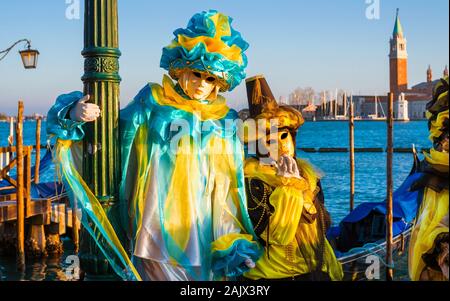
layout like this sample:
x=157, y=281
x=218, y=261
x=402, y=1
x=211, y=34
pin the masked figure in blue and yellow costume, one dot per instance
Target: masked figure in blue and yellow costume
x=429, y=245
x=285, y=197
x=182, y=192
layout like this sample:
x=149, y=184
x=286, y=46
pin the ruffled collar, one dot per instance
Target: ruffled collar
x=439, y=160
x=170, y=95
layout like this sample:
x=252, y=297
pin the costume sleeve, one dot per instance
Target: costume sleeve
x=94, y=219
x=289, y=200
x=234, y=238
x=431, y=222
x=58, y=123
x=288, y=204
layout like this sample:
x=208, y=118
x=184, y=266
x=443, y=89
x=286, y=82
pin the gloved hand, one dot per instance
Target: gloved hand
x=250, y=263
x=84, y=111
x=287, y=167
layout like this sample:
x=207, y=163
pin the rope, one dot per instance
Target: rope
x=369, y=249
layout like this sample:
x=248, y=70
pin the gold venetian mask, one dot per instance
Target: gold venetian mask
x=199, y=85
x=280, y=143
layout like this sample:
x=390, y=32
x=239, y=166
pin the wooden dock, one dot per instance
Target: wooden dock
x=30, y=225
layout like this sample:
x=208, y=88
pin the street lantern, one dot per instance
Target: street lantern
x=29, y=56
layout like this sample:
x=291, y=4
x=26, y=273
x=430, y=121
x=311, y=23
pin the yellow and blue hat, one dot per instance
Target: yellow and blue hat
x=437, y=112
x=208, y=44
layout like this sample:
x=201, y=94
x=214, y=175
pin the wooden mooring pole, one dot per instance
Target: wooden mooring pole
x=20, y=191
x=10, y=138
x=389, y=192
x=75, y=233
x=351, y=124
x=11, y=131
x=38, y=150
x=345, y=104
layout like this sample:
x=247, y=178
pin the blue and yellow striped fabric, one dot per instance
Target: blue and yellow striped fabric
x=209, y=43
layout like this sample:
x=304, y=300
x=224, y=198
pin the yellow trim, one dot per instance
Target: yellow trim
x=214, y=44
x=233, y=53
x=222, y=24
x=166, y=95
x=432, y=220
x=437, y=125
x=179, y=208
x=137, y=202
x=64, y=145
x=439, y=160
x=224, y=242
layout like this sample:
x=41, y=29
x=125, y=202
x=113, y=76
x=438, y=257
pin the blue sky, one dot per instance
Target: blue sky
x=325, y=44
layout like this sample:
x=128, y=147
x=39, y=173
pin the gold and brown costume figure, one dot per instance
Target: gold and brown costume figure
x=285, y=199
x=429, y=246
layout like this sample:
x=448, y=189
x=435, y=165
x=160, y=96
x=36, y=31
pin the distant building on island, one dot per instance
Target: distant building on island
x=309, y=112
x=33, y=117
x=409, y=104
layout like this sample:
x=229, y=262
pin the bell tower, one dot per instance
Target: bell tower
x=398, y=59
x=429, y=74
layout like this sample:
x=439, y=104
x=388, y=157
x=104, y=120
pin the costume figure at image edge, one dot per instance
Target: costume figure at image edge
x=429, y=245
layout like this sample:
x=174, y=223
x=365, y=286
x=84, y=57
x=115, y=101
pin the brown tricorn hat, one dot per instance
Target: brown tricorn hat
x=258, y=94
x=262, y=105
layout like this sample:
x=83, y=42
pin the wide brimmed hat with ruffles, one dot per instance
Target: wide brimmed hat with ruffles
x=208, y=44
x=438, y=126
x=437, y=111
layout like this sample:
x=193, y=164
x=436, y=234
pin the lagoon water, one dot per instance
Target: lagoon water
x=370, y=168
x=370, y=184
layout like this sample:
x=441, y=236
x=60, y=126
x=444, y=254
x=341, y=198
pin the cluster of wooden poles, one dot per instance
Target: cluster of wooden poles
x=389, y=178
x=22, y=183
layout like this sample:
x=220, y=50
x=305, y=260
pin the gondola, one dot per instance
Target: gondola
x=38, y=190
x=359, y=241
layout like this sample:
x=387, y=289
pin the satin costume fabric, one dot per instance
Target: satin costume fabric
x=210, y=44
x=432, y=218
x=182, y=194
x=292, y=244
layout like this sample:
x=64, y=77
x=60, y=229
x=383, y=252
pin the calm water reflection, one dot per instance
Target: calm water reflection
x=47, y=269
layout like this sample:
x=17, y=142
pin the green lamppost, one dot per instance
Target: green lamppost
x=101, y=149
